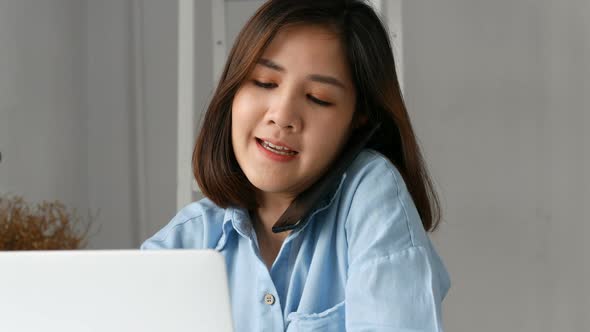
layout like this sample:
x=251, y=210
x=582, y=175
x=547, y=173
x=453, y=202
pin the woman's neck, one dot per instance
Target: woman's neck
x=270, y=210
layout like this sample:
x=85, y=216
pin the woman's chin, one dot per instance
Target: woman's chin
x=281, y=188
x=273, y=188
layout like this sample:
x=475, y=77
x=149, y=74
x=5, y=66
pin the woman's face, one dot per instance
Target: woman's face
x=294, y=112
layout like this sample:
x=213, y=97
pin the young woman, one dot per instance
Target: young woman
x=317, y=194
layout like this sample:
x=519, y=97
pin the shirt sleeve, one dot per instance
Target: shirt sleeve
x=177, y=234
x=398, y=293
x=396, y=281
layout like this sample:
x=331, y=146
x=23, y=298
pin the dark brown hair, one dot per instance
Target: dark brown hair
x=379, y=98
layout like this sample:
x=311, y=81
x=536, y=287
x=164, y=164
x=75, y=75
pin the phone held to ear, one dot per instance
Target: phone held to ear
x=296, y=214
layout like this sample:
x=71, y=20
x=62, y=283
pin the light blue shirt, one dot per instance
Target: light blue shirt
x=363, y=262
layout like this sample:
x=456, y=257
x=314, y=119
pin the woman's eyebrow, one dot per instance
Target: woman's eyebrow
x=326, y=79
x=313, y=77
x=270, y=64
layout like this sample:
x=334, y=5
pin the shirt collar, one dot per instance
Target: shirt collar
x=323, y=204
x=238, y=219
x=235, y=219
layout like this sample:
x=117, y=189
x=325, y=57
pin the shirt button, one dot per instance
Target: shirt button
x=269, y=299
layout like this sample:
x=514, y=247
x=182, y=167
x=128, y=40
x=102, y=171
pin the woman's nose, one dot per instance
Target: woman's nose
x=286, y=113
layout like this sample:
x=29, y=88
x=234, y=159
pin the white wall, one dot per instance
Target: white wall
x=498, y=91
x=160, y=60
x=42, y=122
x=110, y=121
x=132, y=91
x=75, y=76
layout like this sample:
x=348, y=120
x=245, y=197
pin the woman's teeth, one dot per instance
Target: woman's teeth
x=277, y=149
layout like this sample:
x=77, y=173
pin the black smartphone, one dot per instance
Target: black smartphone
x=296, y=214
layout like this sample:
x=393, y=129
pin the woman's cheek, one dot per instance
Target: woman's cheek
x=253, y=99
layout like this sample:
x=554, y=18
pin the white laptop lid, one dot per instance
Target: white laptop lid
x=114, y=290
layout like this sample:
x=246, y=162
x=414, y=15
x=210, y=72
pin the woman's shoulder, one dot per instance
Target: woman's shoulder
x=377, y=199
x=369, y=162
x=198, y=225
x=372, y=170
x=382, y=221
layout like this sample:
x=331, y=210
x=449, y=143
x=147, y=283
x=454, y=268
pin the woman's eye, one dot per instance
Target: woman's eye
x=264, y=85
x=318, y=101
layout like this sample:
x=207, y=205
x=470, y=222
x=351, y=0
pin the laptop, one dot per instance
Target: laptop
x=114, y=290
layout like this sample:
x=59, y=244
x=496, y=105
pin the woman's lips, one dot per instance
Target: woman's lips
x=277, y=143
x=274, y=156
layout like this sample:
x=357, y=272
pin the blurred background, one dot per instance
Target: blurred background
x=99, y=101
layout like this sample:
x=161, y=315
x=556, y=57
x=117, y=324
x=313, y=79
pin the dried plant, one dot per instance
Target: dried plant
x=48, y=226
